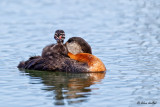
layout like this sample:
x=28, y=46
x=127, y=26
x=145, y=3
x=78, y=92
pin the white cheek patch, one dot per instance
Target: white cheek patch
x=74, y=48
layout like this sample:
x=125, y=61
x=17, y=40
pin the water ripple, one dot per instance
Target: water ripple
x=123, y=34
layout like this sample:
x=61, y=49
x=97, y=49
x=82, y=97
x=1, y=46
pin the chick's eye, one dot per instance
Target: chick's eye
x=55, y=34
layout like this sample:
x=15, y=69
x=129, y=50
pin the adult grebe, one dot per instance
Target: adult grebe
x=57, y=57
x=80, y=50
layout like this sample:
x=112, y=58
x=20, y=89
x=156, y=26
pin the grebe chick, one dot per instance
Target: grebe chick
x=56, y=49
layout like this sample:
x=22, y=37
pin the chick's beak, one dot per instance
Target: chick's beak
x=60, y=37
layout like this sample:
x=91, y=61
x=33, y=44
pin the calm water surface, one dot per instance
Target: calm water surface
x=124, y=34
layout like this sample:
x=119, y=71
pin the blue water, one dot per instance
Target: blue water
x=124, y=34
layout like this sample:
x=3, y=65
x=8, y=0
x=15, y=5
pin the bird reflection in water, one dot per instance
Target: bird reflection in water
x=73, y=87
